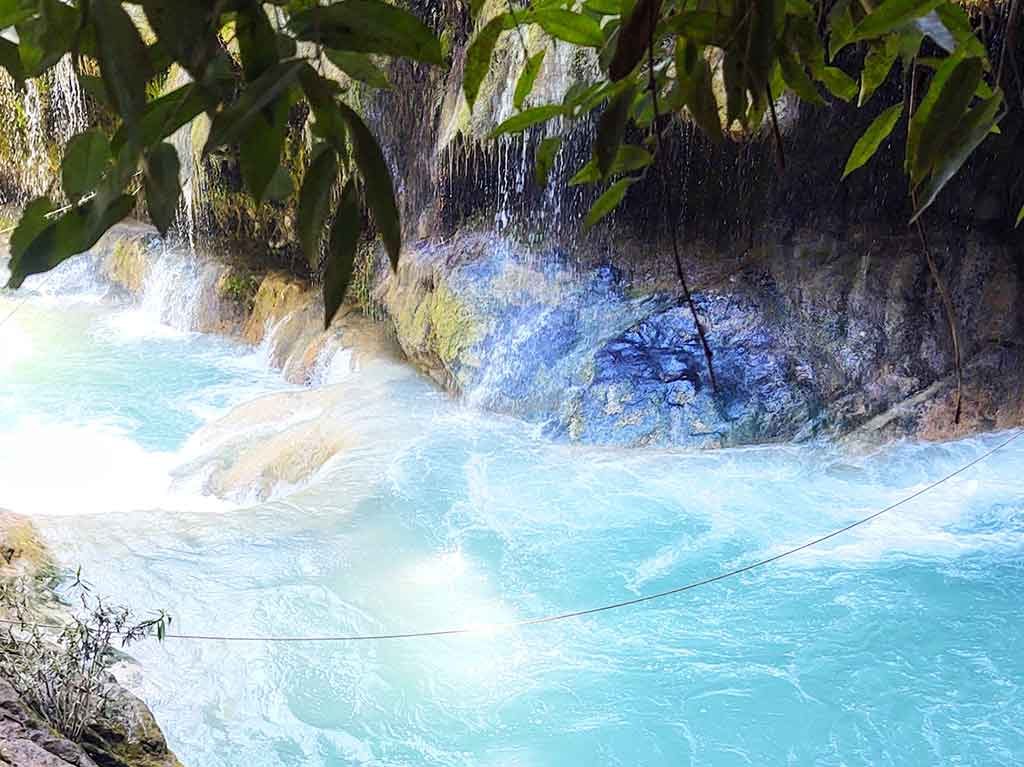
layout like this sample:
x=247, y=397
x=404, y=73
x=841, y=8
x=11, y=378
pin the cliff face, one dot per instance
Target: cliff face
x=814, y=337
x=820, y=309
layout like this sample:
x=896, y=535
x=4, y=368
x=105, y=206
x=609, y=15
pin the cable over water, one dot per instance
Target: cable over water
x=492, y=627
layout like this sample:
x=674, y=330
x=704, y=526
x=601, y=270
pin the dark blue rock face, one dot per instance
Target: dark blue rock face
x=651, y=386
x=806, y=340
x=572, y=350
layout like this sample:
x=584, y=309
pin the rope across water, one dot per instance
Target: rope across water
x=586, y=611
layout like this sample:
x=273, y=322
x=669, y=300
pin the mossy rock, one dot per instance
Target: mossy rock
x=126, y=265
x=239, y=287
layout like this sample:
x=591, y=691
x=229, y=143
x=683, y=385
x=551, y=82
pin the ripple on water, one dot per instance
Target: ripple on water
x=898, y=644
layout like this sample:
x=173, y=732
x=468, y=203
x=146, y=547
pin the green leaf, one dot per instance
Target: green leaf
x=528, y=118
x=186, y=30
x=802, y=38
x=693, y=75
x=281, y=185
x=840, y=26
x=1020, y=217
x=86, y=159
x=603, y=7
x=380, y=193
x=761, y=48
x=45, y=37
x=478, y=55
x=633, y=38
x=286, y=46
x=701, y=27
x=629, y=158
x=839, y=84
x=527, y=77
x=873, y=137
x=341, y=252
x=954, y=18
x=165, y=115
x=607, y=202
x=971, y=129
x=161, y=182
x=259, y=148
x=15, y=11
x=257, y=41
x=571, y=27
x=736, y=101
x=34, y=219
x=545, y=159
x=322, y=96
x=124, y=60
x=359, y=67
x=891, y=15
x=232, y=122
x=950, y=91
x=799, y=8
x=796, y=77
x=11, y=61
x=877, y=64
x=314, y=203
x=42, y=245
x=611, y=129
x=369, y=26
x=95, y=88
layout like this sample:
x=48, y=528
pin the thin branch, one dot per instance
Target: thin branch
x=672, y=212
x=780, y=154
x=947, y=302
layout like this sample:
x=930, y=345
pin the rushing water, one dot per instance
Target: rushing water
x=899, y=643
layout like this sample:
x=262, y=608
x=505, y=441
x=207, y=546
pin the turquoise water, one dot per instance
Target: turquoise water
x=897, y=644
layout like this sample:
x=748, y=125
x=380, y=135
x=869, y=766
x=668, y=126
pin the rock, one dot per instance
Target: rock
x=23, y=552
x=289, y=455
x=277, y=297
x=125, y=735
x=124, y=263
x=817, y=336
x=27, y=741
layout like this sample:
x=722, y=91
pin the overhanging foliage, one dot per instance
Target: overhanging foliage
x=725, y=63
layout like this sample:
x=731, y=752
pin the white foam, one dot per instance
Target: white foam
x=52, y=468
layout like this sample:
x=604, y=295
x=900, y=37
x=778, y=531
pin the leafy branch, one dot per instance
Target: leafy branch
x=724, y=64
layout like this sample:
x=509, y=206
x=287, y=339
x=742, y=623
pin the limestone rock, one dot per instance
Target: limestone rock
x=814, y=337
x=126, y=734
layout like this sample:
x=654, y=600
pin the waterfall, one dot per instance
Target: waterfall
x=38, y=124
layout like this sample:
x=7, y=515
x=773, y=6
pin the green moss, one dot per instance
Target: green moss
x=437, y=323
x=452, y=327
x=240, y=287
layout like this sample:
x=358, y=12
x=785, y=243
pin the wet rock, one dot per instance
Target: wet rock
x=125, y=735
x=817, y=336
x=27, y=741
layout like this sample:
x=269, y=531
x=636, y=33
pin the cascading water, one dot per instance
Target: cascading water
x=372, y=503
x=38, y=124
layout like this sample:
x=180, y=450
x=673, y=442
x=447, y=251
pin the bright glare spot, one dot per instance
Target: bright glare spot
x=15, y=345
x=443, y=569
x=487, y=629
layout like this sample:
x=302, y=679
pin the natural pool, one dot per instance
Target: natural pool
x=900, y=643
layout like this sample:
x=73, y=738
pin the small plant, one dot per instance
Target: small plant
x=240, y=288
x=63, y=671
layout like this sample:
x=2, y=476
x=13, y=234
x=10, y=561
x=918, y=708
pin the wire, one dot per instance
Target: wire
x=576, y=613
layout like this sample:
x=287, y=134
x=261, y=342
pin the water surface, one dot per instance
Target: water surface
x=897, y=644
